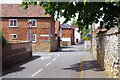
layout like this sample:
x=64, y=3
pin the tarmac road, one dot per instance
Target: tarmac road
x=62, y=64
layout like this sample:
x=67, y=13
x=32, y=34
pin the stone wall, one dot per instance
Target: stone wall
x=105, y=50
x=16, y=52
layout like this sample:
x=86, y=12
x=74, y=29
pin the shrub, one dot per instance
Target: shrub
x=4, y=41
x=85, y=38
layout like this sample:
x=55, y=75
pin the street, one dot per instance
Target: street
x=62, y=64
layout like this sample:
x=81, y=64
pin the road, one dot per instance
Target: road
x=62, y=64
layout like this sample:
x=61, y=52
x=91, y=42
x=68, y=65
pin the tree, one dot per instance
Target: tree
x=89, y=12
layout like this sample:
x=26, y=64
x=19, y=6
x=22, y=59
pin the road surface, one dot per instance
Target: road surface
x=62, y=64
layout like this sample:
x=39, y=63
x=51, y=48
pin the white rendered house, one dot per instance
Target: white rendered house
x=77, y=35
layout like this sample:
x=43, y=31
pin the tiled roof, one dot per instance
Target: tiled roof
x=14, y=10
x=66, y=26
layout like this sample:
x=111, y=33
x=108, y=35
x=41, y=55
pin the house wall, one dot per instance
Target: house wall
x=43, y=27
x=73, y=37
x=66, y=36
x=77, y=36
x=53, y=40
x=105, y=50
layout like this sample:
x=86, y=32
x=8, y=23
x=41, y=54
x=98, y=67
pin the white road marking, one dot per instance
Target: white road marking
x=43, y=58
x=49, y=54
x=54, y=59
x=48, y=64
x=37, y=72
x=58, y=55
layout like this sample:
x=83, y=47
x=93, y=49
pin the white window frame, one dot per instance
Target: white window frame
x=13, y=23
x=13, y=35
x=35, y=23
x=35, y=38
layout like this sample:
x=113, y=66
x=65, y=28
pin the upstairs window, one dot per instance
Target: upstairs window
x=32, y=21
x=12, y=22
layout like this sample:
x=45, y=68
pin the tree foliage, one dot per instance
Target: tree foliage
x=89, y=12
x=84, y=31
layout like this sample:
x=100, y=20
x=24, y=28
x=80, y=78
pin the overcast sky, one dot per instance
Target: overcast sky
x=20, y=1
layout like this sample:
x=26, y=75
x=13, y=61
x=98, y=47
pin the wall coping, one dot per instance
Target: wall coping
x=19, y=42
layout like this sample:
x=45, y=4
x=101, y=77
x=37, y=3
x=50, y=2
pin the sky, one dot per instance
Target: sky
x=20, y=1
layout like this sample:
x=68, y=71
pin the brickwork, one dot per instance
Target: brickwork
x=44, y=26
x=66, y=33
x=105, y=50
x=15, y=52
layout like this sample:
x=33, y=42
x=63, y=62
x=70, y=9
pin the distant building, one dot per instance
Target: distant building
x=15, y=28
x=77, y=34
x=67, y=34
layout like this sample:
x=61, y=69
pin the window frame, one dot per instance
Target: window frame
x=13, y=37
x=35, y=23
x=13, y=22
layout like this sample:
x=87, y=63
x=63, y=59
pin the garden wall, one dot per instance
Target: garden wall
x=16, y=52
x=105, y=50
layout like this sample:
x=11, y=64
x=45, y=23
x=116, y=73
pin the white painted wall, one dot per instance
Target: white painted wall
x=66, y=39
x=77, y=35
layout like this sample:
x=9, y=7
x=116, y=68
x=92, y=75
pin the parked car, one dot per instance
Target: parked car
x=81, y=42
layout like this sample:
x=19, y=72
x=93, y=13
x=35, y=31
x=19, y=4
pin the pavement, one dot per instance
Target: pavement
x=70, y=62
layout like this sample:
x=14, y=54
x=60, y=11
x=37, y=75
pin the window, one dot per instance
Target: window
x=12, y=22
x=14, y=36
x=34, y=38
x=34, y=21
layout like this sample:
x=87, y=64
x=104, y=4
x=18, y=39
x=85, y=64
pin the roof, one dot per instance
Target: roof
x=66, y=26
x=14, y=10
x=74, y=26
x=57, y=24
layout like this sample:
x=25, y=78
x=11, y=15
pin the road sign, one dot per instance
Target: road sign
x=30, y=37
x=30, y=24
x=88, y=35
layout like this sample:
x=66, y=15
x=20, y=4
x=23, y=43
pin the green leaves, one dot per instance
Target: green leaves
x=89, y=12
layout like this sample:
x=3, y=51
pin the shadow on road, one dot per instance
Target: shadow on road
x=16, y=67
x=86, y=65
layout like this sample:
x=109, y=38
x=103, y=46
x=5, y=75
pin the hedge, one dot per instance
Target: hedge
x=4, y=41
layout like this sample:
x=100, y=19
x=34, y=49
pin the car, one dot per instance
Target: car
x=81, y=42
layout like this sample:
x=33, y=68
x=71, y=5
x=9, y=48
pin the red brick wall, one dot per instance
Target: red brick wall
x=66, y=33
x=72, y=36
x=44, y=26
x=22, y=31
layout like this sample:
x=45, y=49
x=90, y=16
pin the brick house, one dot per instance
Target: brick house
x=14, y=26
x=67, y=35
x=57, y=33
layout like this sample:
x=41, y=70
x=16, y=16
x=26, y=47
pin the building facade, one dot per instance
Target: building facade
x=14, y=26
x=77, y=35
x=67, y=34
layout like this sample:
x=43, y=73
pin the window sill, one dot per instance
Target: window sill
x=34, y=41
x=12, y=26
